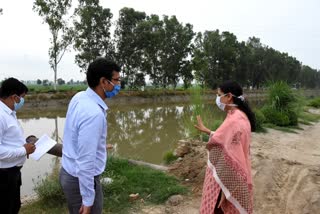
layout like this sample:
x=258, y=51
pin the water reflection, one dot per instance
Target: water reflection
x=143, y=132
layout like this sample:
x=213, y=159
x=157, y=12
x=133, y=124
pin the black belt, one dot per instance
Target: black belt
x=11, y=169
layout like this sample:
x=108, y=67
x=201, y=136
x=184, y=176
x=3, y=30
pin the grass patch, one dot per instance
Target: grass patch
x=169, y=157
x=314, y=103
x=289, y=129
x=307, y=117
x=153, y=187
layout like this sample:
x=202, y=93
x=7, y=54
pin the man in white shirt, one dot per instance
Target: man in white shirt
x=13, y=149
x=84, y=152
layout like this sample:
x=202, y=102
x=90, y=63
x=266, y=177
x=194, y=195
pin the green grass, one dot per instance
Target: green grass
x=315, y=103
x=60, y=88
x=153, y=187
x=308, y=118
x=281, y=128
x=169, y=157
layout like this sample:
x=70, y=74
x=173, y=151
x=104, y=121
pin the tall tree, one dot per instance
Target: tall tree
x=128, y=46
x=207, y=58
x=151, y=35
x=256, y=75
x=1, y=11
x=54, y=13
x=92, y=33
x=176, y=47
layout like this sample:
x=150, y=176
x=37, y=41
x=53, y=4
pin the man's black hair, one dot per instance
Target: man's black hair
x=12, y=86
x=101, y=67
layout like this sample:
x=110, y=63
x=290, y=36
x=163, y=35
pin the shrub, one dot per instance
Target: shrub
x=315, y=103
x=169, y=157
x=293, y=117
x=50, y=191
x=280, y=95
x=274, y=116
x=260, y=119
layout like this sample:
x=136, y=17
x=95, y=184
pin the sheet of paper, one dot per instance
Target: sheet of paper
x=43, y=145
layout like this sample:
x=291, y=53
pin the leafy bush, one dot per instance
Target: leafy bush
x=280, y=96
x=283, y=105
x=50, y=191
x=274, y=116
x=169, y=157
x=293, y=117
x=260, y=119
x=315, y=103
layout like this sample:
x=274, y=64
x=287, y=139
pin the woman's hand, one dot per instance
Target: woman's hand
x=201, y=127
x=223, y=197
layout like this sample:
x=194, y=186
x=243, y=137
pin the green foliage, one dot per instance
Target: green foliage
x=283, y=106
x=215, y=125
x=169, y=157
x=260, y=120
x=92, y=33
x=278, y=117
x=54, y=14
x=49, y=190
x=308, y=118
x=152, y=185
x=314, y=103
x=280, y=96
x=206, y=111
x=129, y=47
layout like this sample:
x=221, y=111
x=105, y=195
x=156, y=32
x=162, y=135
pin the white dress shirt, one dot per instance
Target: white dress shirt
x=12, y=152
x=84, y=152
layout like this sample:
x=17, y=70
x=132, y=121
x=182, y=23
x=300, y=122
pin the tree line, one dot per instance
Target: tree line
x=164, y=49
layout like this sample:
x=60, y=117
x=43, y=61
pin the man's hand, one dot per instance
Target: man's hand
x=84, y=209
x=30, y=148
x=200, y=126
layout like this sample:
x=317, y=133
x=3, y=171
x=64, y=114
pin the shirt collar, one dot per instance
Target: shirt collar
x=91, y=93
x=6, y=108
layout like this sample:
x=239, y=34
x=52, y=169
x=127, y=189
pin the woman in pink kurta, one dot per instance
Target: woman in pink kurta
x=228, y=184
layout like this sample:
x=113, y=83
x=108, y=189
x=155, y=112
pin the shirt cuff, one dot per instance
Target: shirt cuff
x=22, y=151
x=88, y=201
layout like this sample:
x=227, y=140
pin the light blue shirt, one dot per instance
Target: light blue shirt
x=84, y=153
x=12, y=152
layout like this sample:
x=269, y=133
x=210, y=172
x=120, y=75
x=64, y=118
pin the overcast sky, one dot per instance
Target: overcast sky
x=287, y=25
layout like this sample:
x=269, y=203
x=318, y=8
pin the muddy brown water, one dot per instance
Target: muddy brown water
x=143, y=132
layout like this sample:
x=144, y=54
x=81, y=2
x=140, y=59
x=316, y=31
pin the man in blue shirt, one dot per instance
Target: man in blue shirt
x=84, y=152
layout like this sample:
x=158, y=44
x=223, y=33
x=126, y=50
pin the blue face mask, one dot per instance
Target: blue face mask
x=114, y=92
x=19, y=105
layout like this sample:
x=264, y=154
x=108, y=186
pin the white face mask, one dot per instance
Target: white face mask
x=221, y=105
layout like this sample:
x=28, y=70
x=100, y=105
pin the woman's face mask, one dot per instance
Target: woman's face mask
x=221, y=105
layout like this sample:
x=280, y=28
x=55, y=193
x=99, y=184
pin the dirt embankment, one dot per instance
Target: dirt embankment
x=286, y=173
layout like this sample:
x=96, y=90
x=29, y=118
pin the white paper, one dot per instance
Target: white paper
x=43, y=145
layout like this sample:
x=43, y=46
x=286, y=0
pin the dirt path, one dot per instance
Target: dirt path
x=286, y=173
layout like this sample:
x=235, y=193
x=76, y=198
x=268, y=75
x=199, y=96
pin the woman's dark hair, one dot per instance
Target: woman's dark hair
x=12, y=86
x=235, y=89
x=100, y=67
